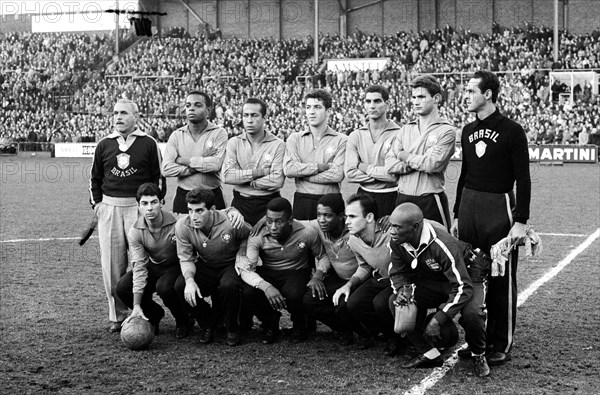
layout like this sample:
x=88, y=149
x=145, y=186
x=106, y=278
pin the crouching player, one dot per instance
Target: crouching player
x=283, y=245
x=333, y=273
x=207, y=244
x=426, y=255
x=155, y=264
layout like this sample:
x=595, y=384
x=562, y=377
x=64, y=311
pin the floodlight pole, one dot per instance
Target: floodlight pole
x=316, y=33
x=556, y=31
x=116, y=28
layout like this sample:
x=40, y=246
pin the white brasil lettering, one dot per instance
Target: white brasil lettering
x=484, y=134
x=123, y=173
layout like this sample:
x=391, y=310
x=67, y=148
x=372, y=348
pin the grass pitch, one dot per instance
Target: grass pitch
x=53, y=315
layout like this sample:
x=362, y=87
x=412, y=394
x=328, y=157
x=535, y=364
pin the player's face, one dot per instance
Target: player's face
x=375, y=106
x=199, y=214
x=316, y=114
x=149, y=207
x=474, y=97
x=196, y=109
x=355, y=219
x=279, y=224
x=252, y=117
x=400, y=231
x=124, y=118
x=327, y=219
x=422, y=101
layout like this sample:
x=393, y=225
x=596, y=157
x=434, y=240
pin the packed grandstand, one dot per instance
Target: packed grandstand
x=61, y=87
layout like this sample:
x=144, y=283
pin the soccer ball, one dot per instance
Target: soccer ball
x=137, y=333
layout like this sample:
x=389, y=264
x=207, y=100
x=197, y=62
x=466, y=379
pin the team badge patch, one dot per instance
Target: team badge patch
x=173, y=239
x=123, y=161
x=226, y=237
x=268, y=158
x=330, y=151
x=480, y=148
x=301, y=245
x=209, y=143
x=433, y=265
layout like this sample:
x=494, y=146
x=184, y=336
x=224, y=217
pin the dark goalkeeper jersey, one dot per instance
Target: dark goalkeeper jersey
x=495, y=155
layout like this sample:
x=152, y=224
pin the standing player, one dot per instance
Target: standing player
x=495, y=156
x=155, y=264
x=254, y=163
x=283, y=245
x=366, y=151
x=369, y=289
x=421, y=152
x=207, y=245
x=195, y=153
x=315, y=156
x=123, y=160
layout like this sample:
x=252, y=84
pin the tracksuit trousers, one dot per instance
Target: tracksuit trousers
x=483, y=220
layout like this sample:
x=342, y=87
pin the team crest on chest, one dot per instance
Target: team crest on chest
x=330, y=151
x=123, y=161
x=480, y=148
x=301, y=245
x=433, y=265
x=173, y=239
x=226, y=237
x=209, y=143
x=268, y=158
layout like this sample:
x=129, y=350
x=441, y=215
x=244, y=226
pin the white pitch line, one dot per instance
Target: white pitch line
x=45, y=239
x=439, y=373
x=563, y=234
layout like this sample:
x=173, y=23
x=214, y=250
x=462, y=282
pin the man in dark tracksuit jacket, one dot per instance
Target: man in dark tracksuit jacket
x=495, y=157
x=424, y=254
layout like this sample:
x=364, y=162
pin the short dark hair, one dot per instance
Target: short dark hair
x=429, y=82
x=280, y=204
x=148, y=189
x=200, y=195
x=320, y=94
x=256, y=100
x=382, y=90
x=489, y=81
x=207, y=99
x=334, y=201
x=367, y=203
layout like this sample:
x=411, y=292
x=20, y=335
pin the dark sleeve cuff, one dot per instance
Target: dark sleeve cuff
x=441, y=317
x=522, y=220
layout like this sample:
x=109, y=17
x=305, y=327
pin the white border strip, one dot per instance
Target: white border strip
x=439, y=373
x=46, y=239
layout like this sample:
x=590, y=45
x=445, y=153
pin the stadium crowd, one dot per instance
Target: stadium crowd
x=61, y=86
